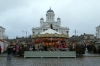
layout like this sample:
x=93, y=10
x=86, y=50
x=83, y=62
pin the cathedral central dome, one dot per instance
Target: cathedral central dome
x=50, y=10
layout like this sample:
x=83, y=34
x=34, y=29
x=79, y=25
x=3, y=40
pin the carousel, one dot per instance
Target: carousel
x=55, y=42
x=51, y=38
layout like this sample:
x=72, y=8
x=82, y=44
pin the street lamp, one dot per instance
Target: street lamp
x=75, y=32
x=25, y=32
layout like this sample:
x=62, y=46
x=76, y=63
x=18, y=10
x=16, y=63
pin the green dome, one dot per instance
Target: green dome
x=41, y=19
x=50, y=10
x=58, y=18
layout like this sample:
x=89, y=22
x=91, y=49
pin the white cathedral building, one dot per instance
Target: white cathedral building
x=98, y=32
x=2, y=33
x=50, y=20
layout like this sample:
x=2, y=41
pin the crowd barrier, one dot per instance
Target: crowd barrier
x=49, y=54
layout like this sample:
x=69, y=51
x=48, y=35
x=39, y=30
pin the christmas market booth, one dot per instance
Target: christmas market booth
x=51, y=38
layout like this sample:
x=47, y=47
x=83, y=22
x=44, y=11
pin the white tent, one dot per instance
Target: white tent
x=2, y=45
x=5, y=45
x=50, y=31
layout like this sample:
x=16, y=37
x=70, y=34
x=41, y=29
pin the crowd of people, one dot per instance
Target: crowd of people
x=81, y=48
x=18, y=49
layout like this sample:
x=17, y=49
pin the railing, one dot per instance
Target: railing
x=49, y=54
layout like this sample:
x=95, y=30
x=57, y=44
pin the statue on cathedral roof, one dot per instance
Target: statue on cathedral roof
x=51, y=26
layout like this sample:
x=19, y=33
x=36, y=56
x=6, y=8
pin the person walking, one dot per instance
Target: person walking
x=33, y=48
x=45, y=48
x=9, y=51
x=0, y=49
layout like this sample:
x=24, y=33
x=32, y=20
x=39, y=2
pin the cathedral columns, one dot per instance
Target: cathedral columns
x=98, y=32
x=1, y=34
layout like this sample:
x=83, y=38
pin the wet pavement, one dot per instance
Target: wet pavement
x=16, y=61
x=84, y=55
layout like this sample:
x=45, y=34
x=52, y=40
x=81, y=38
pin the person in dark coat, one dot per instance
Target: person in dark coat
x=45, y=47
x=9, y=51
x=0, y=49
x=33, y=47
x=70, y=47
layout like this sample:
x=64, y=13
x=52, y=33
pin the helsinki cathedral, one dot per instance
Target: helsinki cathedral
x=50, y=20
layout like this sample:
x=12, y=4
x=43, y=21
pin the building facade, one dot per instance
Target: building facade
x=50, y=20
x=88, y=37
x=2, y=33
x=98, y=32
x=82, y=38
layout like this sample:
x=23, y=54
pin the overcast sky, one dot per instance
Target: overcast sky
x=80, y=15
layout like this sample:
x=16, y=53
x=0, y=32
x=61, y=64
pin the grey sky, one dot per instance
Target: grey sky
x=18, y=15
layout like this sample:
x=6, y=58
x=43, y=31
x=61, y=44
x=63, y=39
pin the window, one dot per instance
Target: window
x=50, y=16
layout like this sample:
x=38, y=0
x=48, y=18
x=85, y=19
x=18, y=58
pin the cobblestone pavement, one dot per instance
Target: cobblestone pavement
x=85, y=61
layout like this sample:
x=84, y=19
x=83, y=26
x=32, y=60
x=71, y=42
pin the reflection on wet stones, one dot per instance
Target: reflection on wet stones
x=85, y=61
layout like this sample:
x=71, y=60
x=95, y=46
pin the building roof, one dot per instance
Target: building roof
x=98, y=26
x=50, y=31
x=58, y=18
x=2, y=27
x=41, y=19
x=36, y=28
x=50, y=10
x=65, y=28
x=88, y=34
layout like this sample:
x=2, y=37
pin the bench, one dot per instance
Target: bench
x=49, y=54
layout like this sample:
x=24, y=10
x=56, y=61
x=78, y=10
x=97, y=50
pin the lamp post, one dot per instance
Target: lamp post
x=75, y=38
x=33, y=37
x=75, y=32
x=25, y=32
x=22, y=33
x=66, y=40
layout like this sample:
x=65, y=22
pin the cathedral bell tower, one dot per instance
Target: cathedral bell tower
x=50, y=16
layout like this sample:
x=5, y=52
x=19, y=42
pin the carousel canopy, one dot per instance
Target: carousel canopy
x=50, y=31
